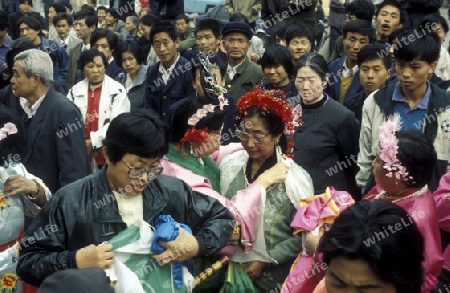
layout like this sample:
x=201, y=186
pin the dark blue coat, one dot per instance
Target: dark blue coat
x=56, y=150
x=335, y=69
x=159, y=96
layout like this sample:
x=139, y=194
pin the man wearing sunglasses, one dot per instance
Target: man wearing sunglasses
x=86, y=214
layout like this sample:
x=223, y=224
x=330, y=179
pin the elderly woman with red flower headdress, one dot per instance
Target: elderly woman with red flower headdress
x=263, y=119
x=21, y=194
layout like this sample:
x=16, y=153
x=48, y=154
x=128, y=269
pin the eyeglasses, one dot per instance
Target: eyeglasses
x=256, y=137
x=136, y=172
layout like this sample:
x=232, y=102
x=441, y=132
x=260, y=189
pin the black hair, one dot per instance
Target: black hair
x=164, y=27
x=141, y=132
x=299, y=31
x=111, y=37
x=372, y=52
x=213, y=121
x=276, y=55
x=359, y=26
x=102, y=8
x=238, y=16
x=31, y=22
x=316, y=62
x=59, y=7
x=362, y=9
x=3, y=20
x=29, y=2
x=182, y=16
x=113, y=13
x=62, y=16
x=416, y=153
x=209, y=24
x=88, y=56
x=434, y=19
x=89, y=17
x=394, y=3
x=398, y=32
x=132, y=47
x=396, y=258
x=426, y=48
x=149, y=19
x=13, y=146
x=280, y=31
x=17, y=46
x=87, y=7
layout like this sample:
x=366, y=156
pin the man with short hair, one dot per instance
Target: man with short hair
x=242, y=74
x=186, y=33
x=389, y=16
x=106, y=42
x=114, y=24
x=374, y=73
x=53, y=10
x=26, y=9
x=85, y=23
x=132, y=190
x=299, y=41
x=30, y=28
x=64, y=24
x=145, y=26
x=101, y=15
x=420, y=104
x=208, y=36
x=56, y=145
x=169, y=80
x=344, y=71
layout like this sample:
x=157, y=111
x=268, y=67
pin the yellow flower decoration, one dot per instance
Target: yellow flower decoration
x=9, y=281
x=3, y=202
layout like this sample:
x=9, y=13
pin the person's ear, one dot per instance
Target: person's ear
x=105, y=154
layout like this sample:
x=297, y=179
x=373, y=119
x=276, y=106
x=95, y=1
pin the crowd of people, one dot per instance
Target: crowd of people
x=300, y=162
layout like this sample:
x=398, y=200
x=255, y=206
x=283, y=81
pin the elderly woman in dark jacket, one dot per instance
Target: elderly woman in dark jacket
x=130, y=57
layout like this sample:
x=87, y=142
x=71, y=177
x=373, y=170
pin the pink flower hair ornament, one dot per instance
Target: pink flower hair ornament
x=7, y=129
x=389, y=149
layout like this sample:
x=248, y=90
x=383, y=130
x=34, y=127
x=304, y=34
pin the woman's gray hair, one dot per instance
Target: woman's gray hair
x=37, y=62
x=316, y=62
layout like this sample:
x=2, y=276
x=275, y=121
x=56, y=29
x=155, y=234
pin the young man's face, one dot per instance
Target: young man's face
x=207, y=41
x=299, y=46
x=63, y=29
x=29, y=33
x=166, y=48
x=83, y=31
x=101, y=15
x=25, y=8
x=130, y=26
x=413, y=74
x=103, y=46
x=182, y=26
x=279, y=40
x=353, y=43
x=51, y=14
x=236, y=45
x=110, y=20
x=373, y=75
x=387, y=21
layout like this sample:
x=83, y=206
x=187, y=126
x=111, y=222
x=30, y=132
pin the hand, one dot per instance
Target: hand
x=254, y=268
x=90, y=149
x=95, y=256
x=18, y=184
x=312, y=242
x=274, y=175
x=255, y=57
x=184, y=247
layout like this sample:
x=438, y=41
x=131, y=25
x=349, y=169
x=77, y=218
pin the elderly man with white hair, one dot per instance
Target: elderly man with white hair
x=56, y=146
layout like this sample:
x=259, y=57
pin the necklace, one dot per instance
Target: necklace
x=247, y=184
x=384, y=194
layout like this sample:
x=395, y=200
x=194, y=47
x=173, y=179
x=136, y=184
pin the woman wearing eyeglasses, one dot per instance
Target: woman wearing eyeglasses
x=326, y=144
x=263, y=119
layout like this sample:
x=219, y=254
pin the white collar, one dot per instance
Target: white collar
x=29, y=109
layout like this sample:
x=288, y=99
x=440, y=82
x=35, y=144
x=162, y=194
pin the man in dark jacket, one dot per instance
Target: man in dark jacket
x=56, y=134
x=26, y=9
x=129, y=188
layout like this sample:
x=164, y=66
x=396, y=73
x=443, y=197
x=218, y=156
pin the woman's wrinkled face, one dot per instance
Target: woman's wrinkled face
x=309, y=85
x=260, y=143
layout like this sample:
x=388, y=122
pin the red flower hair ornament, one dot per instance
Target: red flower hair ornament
x=272, y=101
